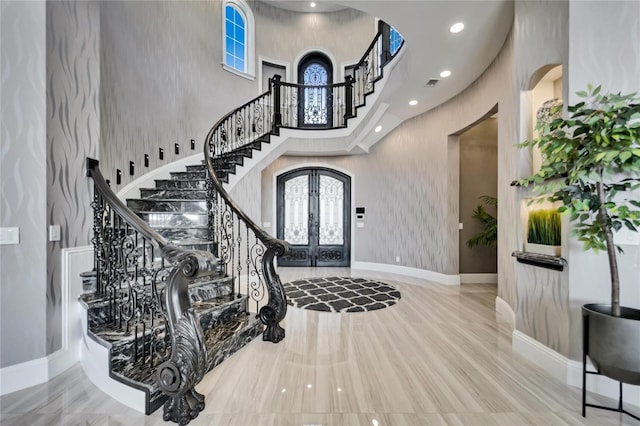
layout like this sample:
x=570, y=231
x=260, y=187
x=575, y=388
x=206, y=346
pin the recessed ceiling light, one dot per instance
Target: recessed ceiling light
x=309, y=386
x=377, y=129
x=312, y=4
x=413, y=102
x=457, y=27
x=445, y=73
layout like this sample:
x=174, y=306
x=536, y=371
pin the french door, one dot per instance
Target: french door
x=313, y=216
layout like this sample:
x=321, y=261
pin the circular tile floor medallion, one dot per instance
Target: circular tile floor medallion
x=340, y=294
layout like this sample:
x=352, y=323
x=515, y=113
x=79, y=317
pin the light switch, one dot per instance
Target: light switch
x=460, y=226
x=54, y=233
x=359, y=224
x=9, y=235
x=266, y=224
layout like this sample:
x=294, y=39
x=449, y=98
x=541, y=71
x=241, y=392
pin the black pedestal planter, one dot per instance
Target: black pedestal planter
x=613, y=346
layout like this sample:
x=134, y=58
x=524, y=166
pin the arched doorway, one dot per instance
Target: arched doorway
x=315, y=108
x=313, y=216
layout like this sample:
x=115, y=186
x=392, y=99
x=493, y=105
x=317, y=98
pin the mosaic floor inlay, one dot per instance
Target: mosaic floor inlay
x=340, y=294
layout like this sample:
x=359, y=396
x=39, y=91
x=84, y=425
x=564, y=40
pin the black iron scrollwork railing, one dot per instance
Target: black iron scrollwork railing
x=142, y=279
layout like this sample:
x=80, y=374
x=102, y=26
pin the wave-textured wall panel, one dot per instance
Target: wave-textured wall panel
x=542, y=310
x=23, y=180
x=73, y=133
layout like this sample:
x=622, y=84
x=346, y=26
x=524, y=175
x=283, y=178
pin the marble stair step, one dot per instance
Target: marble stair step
x=167, y=205
x=221, y=342
x=196, y=167
x=176, y=233
x=181, y=183
x=167, y=219
x=200, y=290
x=173, y=193
x=197, y=174
x=209, y=246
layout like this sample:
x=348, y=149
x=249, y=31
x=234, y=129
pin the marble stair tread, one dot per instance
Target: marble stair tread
x=224, y=341
x=167, y=205
x=118, y=335
x=173, y=193
x=181, y=232
x=206, y=284
x=155, y=218
x=220, y=345
x=181, y=183
x=197, y=174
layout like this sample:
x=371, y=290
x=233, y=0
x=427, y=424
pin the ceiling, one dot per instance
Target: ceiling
x=429, y=46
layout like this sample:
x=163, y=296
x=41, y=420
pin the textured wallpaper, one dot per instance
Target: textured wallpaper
x=73, y=134
x=162, y=79
x=23, y=186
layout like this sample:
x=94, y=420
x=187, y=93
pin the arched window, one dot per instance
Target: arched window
x=315, y=109
x=237, y=40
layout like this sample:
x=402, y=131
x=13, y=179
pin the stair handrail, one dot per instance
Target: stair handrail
x=178, y=375
x=276, y=308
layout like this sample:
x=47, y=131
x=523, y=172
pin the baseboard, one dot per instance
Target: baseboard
x=560, y=366
x=41, y=370
x=541, y=355
x=478, y=278
x=411, y=272
x=504, y=310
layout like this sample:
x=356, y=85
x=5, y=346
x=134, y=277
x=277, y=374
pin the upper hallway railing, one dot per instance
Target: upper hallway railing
x=305, y=107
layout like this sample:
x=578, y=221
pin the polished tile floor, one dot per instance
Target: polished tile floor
x=439, y=356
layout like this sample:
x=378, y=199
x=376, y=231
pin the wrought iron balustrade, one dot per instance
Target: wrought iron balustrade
x=142, y=285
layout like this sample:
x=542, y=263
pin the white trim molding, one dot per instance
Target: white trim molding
x=504, y=310
x=478, y=278
x=20, y=376
x=424, y=274
x=570, y=371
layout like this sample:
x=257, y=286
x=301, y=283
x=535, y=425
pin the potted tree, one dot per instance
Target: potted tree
x=591, y=164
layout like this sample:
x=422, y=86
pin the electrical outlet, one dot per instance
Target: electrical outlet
x=397, y=259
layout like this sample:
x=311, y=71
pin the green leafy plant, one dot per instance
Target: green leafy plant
x=489, y=235
x=543, y=227
x=591, y=163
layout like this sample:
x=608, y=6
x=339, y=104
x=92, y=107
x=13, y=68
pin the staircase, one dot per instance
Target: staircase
x=177, y=210
x=181, y=271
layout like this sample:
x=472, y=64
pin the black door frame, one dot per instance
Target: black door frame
x=315, y=254
x=322, y=59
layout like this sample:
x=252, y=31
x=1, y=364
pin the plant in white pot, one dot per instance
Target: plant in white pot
x=591, y=164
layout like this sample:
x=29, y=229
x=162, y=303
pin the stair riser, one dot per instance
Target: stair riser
x=216, y=317
x=184, y=184
x=210, y=247
x=223, y=287
x=189, y=175
x=174, y=194
x=196, y=168
x=174, y=219
x=218, y=353
x=177, y=234
x=167, y=206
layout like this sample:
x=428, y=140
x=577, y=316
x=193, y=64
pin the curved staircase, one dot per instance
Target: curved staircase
x=181, y=271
